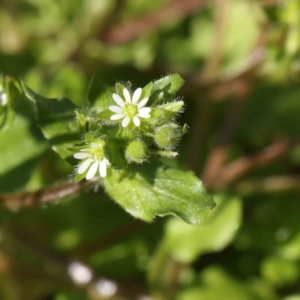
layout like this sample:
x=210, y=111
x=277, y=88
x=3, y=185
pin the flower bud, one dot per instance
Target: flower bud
x=136, y=152
x=167, y=136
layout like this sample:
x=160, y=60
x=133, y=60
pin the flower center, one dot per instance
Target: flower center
x=131, y=110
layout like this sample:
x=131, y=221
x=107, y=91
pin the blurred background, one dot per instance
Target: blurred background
x=241, y=63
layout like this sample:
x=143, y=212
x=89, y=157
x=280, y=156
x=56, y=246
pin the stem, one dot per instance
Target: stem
x=274, y=184
x=244, y=165
x=50, y=194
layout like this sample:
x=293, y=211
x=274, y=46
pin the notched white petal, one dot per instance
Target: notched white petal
x=117, y=116
x=81, y=155
x=143, y=115
x=126, y=95
x=125, y=121
x=84, y=166
x=116, y=109
x=136, y=121
x=143, y=102
x=118, y=100
x=146, y=110
x=136, y=95
x=92, y=170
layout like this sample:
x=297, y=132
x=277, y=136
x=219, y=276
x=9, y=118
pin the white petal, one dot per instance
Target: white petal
x=136, y=95
x=136, y=121
x=84, y=166
x=143, y=102
x=146, y=110
x=81, y=155
x=86, y=149
x=125, y=121
x=116, y=109
x=118, y=100
x=117, y=116
x=103, y=168
x=127, y=95
x=92, y=170
x=143, y=115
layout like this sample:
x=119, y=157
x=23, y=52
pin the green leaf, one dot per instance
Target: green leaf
x=155, y=190
x=185, y=243
x=105, y=115
x=56, y=118
x=99, y=95
x=165, y=88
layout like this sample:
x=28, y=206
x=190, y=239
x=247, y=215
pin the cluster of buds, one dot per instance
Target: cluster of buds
x=130, y=129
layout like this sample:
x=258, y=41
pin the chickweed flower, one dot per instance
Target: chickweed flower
x=132, y=109
x=93, y=161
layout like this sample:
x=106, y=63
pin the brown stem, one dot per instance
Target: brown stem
x=242, y=166
x=17, y=201
x=178, y=9
x=274, y=184
x=218, y=156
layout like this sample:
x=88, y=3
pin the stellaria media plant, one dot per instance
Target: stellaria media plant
x=121, y=138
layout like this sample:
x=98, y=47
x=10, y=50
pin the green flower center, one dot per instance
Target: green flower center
x=131, y=110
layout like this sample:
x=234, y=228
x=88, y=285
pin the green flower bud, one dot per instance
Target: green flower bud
x=167, y=136
x=136, y=152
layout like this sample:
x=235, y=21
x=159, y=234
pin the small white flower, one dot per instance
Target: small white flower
x=93, y=160
x=3, y=99
x=130, y=109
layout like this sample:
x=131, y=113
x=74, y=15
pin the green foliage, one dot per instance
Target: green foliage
x=139, y=213
x=153, y=189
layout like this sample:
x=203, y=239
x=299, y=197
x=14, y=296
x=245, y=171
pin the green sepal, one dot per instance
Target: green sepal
x=185, y=129
x=81, y=119
x=79, y=177
x=99, y=95
x=146, y=91
x=169, y=154
x=165, y=88
x=119, y=89
x=169, y=110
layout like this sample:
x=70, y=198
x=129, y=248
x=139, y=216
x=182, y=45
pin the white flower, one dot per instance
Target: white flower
x=130, y=109
x=93, y=160
x=3, y=99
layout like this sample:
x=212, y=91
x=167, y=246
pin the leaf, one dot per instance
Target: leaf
x=185, y=243
x=56, y=118
x=155, y=190
x=99, y=95
x=18, y=145
x=165, y=88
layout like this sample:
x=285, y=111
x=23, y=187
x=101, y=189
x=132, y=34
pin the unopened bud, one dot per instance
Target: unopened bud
x=167, y=136
x=136, y=152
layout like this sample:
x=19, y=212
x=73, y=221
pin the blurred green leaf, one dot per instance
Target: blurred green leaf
x=185, y=242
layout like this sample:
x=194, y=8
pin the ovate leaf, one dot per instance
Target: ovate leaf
x=156, y=190
x=56, y=118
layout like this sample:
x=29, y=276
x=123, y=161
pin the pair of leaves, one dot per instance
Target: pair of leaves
x=144, y=191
